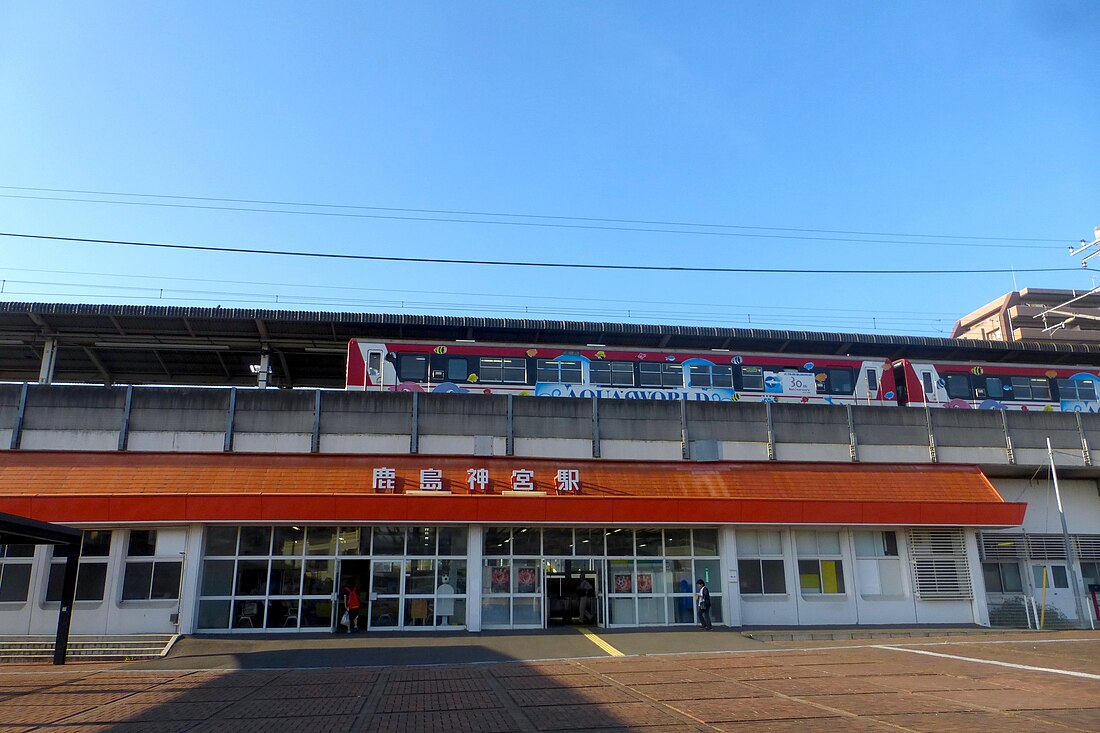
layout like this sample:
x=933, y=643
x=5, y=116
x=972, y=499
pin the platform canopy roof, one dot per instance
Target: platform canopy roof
x=121, y=344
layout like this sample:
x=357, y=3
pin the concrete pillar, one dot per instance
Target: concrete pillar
x=264, y=374
x=731, y=588
x=189, y=580
x=49, y=362
x=474, y=545
x=977, y=579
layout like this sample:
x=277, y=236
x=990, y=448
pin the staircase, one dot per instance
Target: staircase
x=117, y=648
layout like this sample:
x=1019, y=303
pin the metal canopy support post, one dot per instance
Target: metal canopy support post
x=16, y=530
x=68, y=597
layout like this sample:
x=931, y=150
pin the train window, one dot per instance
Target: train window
x=752, y=379
x=612, y=373
x=837, y=381
x=457, y=369
x=412, y=368
x=1077, y=389
x=994, y=388
x=374, y=362
x=657, y=374
x=505, y=371
x=559, y=371
x=958, y=386
x=929, y=392
x=710, y=375
x=872, y=380
x=1031, y=388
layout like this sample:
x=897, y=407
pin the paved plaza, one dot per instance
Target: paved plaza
x=1006, y=683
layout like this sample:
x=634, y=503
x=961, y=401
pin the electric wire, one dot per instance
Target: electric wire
x=519, y=263
x=868, y=324
x=453, y=212
x=908, y=314
x=551, y=225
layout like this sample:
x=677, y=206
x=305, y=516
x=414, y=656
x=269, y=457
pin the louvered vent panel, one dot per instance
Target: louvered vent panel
x=1087, y=546
x=1046, y=547
x=1002, y=546
x=940, y=569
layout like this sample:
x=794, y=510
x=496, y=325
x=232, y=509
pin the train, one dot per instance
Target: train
x=713, y=376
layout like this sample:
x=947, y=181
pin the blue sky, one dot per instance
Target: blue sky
x=940, y=118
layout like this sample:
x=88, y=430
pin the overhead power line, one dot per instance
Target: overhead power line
x=518, y=263
x=911, y=315
x=525, y=216
x=807, y=235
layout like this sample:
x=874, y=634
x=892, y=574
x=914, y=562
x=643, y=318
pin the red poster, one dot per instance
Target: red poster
x=501, y=578
x=526, y=581
x=622, y=584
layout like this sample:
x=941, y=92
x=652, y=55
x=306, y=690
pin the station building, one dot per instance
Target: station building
x=246, y=504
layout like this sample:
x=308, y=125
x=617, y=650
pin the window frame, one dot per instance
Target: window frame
x=1064, y=384
x=670, y=375
x=756, y=557
x=886, y=553
x=819, y=558
x=100, y=562
x=137, y=562
x=555, y=369
x=613, y=368
x=708, y=374
x=25, y=563
x=507, y=363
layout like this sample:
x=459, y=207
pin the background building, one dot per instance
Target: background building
x=1032, y=315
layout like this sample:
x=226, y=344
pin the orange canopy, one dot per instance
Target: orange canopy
x=183, y=487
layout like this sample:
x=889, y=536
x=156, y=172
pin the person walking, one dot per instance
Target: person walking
x=702, y=597
x=350, y=599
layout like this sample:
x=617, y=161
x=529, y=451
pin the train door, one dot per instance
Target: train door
x=374, y=368
x=365, y=366
x=1059, y=593
x=928, y=385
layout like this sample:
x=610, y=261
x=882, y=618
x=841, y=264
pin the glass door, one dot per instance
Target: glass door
x=385, y=594
x=572, y=594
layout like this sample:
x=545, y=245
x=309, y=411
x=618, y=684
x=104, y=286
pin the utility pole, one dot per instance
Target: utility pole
x=1071, y=566
x=1089, y=250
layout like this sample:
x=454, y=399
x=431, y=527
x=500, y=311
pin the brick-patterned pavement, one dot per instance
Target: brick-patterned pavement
x=851, y=688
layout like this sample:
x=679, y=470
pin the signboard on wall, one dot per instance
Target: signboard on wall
x=700, y=394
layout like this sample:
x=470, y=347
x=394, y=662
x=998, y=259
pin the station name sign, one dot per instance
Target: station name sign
x=478, y=480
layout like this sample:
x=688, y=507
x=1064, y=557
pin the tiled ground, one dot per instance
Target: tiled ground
x=846, y=688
